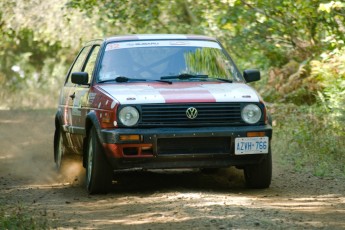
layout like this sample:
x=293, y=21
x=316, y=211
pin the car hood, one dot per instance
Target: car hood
x=180, y=92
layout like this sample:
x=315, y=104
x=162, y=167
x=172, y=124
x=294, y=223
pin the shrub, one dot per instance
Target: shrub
x=303, y=138
x=330, y=73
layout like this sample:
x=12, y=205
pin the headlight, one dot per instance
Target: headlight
x=129, y=116
x=251, y=114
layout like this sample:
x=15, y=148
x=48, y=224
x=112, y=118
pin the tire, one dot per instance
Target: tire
x=98, y=171
x=61, y=155
x=209, y=170
x=259, y=176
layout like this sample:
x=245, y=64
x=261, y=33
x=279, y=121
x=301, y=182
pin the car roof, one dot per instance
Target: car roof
x=159, y=37
x=138, y=37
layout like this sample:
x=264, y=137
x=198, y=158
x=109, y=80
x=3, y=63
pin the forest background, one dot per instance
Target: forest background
x=298, y=46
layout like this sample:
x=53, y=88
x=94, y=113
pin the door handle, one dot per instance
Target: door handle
x=72, y=96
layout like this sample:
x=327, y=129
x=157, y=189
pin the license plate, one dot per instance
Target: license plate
x=251, y=145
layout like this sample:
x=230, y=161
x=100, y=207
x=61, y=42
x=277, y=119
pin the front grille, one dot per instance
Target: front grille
x=194, y=145
x=175, y=114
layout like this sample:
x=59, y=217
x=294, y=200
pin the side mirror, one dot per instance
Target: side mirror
x=80, y=78
x=251, y=75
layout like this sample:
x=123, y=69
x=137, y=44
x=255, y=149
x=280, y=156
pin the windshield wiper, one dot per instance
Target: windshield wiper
x=122, y=79
x=126, y=79
x=225, y=80
x=168, y=82
x=184, y=76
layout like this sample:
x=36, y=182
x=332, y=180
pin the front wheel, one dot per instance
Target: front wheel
x=209, y=170
x=61, y=155
x=98, y=170
x=259, y=175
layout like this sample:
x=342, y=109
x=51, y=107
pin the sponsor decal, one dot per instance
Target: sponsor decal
x=179, y=43
x=141, y=44
x=91, y=97
x=113, y=104
x=112, y=46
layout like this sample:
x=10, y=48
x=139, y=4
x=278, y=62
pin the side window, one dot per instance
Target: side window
x=79, y=62
x=90, y=65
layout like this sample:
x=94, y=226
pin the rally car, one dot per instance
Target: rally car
x=161, y=102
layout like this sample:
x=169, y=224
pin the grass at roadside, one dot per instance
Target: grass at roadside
x=309, y=139
x=20, y=217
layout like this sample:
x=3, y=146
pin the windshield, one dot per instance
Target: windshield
x=167, y=59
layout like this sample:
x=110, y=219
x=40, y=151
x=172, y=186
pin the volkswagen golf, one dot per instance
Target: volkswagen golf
x=161, y=102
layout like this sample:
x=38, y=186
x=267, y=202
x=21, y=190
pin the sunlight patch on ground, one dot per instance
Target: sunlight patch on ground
x=163, y=218
x=3, y=121
x=3, y=157
x=4, y=107
x=306, y=204
x=186, y=196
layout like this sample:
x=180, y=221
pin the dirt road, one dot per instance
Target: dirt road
x=157, y=199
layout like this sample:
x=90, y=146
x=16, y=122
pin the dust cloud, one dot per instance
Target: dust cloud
x=26, y=149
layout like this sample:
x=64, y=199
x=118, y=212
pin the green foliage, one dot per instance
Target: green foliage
x=284, y=37
x=36, y=50
x=329, y=72
x=23, y=57
x=30, y=69
x=19, y=218
x=142, y=16
x=264, y=33
x=305, y=139
x=281, y=30
x=50, y=21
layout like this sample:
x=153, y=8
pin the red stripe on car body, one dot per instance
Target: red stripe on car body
x=174, y=96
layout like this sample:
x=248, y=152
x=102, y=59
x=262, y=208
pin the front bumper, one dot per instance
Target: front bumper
x=197, y=147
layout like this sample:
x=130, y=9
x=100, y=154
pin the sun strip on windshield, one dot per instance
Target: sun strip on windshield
x=157, y=43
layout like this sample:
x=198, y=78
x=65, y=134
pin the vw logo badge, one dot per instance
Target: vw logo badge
x=192, y=113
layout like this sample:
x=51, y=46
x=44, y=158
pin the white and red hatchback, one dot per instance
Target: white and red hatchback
x=161, y=102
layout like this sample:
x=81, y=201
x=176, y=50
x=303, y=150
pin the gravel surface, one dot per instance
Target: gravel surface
x=160, y=199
